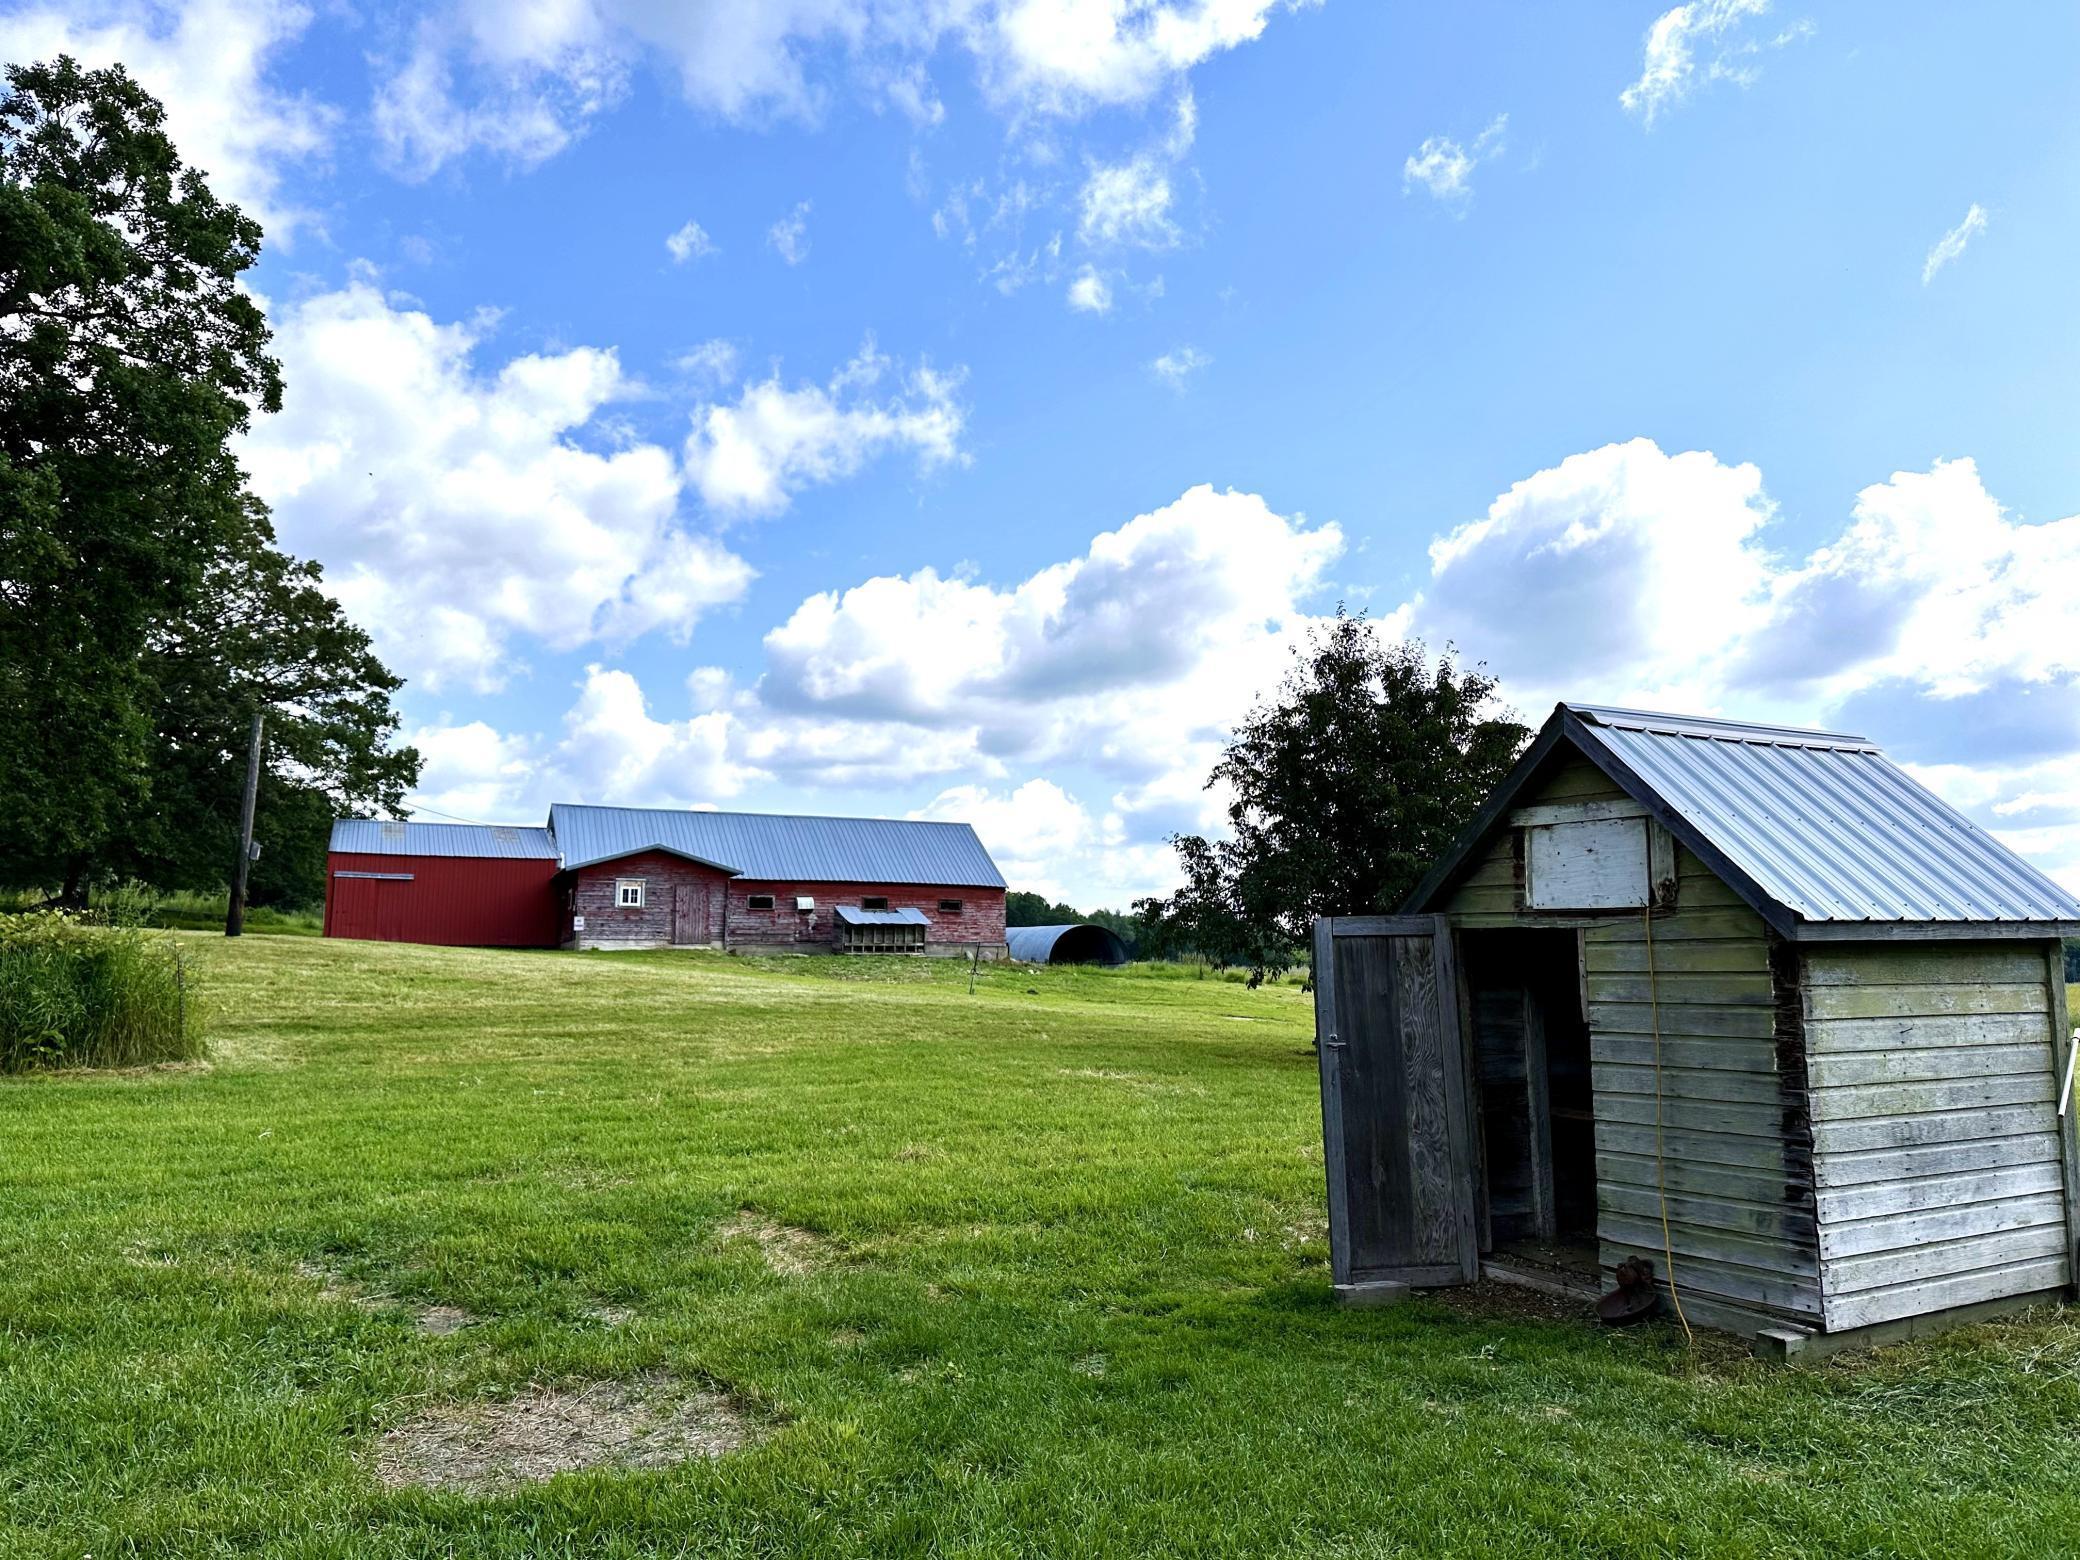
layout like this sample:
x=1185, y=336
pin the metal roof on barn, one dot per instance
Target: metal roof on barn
x=772, y=847
x=384, y=837
x=1813, y=828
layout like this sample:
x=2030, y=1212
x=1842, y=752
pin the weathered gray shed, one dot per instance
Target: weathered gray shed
x=1746, y=1002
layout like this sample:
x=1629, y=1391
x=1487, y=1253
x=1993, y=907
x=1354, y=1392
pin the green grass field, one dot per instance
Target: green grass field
x=1039, y=1270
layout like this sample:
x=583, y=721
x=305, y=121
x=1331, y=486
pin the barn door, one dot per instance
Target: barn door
x=1397, y=1138
x=689, y=920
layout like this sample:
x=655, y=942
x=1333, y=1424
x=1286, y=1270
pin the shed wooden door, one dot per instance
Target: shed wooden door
x=1397, y=1134
x=689, y=915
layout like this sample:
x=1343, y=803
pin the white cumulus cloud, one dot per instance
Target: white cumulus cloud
x=453, y=505
x=1933, y=622
x=1074, y=714
x=522, y=81
x=753, y=454
x=208, y=63
x=1036, y=833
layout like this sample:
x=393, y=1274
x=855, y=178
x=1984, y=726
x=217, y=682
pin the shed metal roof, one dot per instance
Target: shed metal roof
x=771, y=847
x=383, y=837
x=1815, y=829
x=853, y=915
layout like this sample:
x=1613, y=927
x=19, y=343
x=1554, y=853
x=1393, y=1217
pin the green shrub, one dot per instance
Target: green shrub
x=74, y=994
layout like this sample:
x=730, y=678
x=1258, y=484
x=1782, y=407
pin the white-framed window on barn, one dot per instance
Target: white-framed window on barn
x=628, y=893
x=949, y=907
x=873, y=902
x=760, y=902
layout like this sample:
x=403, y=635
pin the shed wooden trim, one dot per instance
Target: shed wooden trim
x=1933, y=931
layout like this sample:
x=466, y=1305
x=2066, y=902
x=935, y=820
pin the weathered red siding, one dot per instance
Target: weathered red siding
x=682, y=903
x=979, y=920
x=686, y=904
x=463, y=901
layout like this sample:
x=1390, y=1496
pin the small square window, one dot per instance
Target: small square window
x=874, y=902
x=760, y=901
x=949, y=907
x=628, y=894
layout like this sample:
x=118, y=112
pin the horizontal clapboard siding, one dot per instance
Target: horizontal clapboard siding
x=1739, y=1186
x=1938, y=1157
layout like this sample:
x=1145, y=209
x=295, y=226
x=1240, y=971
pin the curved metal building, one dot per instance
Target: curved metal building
x=1081, y=943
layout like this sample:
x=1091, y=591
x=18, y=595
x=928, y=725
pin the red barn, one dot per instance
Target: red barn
x=476, y=885
x=630, y=877
x=651, y=877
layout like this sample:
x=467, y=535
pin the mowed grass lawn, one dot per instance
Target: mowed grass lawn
x=1035, y=1271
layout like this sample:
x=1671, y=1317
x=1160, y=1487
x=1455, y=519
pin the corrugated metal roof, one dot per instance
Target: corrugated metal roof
x=382, y=837
x=771, y=847
x=1823, y=823
x=909, y=915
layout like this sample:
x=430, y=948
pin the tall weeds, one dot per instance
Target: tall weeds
x=79, y=995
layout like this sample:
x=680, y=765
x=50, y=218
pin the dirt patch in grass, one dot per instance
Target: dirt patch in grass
x=437, y=1321
x=1516, y=1303
x=653, y=1421
x=434, y=1321
x=790, y=1252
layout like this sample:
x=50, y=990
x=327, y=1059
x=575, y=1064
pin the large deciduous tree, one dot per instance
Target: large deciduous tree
x=1345, y=786
x=144, y=610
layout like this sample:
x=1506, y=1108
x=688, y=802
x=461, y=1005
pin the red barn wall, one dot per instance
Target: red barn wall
x=682, y=903
x=460, y=901
x=685, y=904
x=980, y=919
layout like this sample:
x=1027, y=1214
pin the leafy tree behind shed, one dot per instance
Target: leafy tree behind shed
x=144, y=609
x=1362, y=770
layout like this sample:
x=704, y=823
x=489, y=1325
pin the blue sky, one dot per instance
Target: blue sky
x=1034, y=371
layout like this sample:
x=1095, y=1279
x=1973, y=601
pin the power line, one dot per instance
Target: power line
x=450, y=817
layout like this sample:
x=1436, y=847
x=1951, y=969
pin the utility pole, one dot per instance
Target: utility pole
x=235, y=920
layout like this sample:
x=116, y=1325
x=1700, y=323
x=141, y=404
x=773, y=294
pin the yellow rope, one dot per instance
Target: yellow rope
x=1668, y=1253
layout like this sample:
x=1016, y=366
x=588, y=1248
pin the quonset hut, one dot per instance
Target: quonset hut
x=640, y=877
x=1745, y=1003
x=1080, y=942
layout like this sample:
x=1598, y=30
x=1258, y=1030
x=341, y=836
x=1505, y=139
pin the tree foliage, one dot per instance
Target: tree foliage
x=144, y=610
x=1345, y=787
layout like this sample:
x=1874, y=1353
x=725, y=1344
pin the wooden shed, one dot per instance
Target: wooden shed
x=1745, y=1002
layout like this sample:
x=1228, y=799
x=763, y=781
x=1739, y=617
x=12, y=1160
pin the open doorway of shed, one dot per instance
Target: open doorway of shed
x=1530, y=1056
